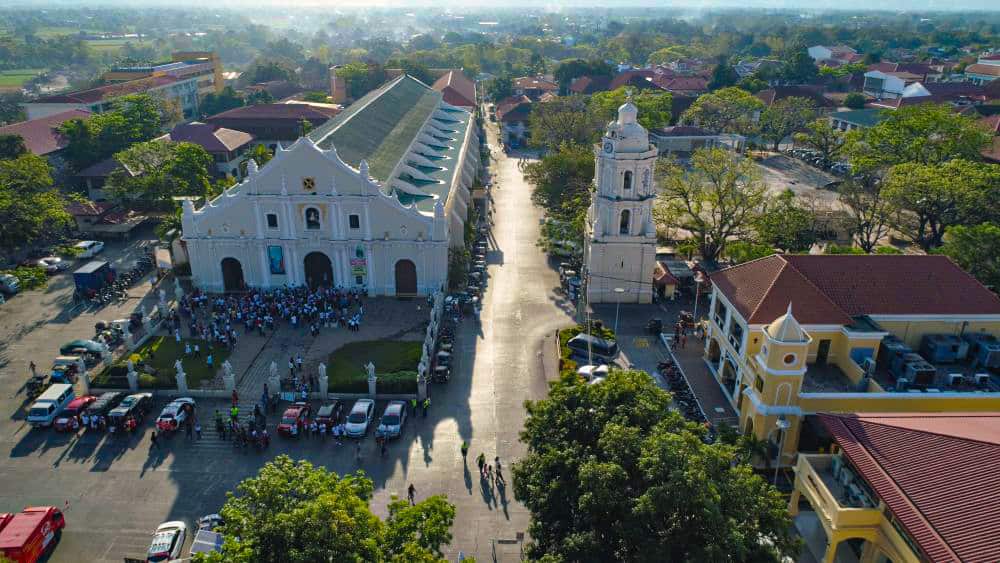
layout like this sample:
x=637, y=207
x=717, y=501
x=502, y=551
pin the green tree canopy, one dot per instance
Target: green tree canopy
x=296, y=513
x=565, y=119
x=729, y=110
x=575, y=68
x=716, y=200
x=823, y=138
x=924, y=134
x=225, y=100
x=30, y=207
x=723, y=75
x=11, y=146
x=132, y=119
x=799, y=68
x=153, y=172
x=932, y=197
x=613, y=473
x=976, y=248
x=855, y=100
x=786, y=224
x=784, y=117
x=654, y=106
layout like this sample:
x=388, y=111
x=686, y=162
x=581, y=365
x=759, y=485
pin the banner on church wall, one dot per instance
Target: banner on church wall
x=276, y=259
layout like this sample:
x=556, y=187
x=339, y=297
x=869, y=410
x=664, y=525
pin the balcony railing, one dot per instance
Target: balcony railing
x=836, y=496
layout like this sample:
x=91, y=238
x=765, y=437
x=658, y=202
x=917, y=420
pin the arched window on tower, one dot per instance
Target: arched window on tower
x=312, y=218
x=628, y=180
x=623, y=225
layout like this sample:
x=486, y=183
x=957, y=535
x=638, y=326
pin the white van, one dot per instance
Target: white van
x=46, y=407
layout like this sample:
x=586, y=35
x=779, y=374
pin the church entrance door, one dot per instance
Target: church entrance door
x=319, y=271
x=406, y=278
x=232, y=275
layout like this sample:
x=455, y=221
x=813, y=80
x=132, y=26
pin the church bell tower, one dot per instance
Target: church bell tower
x=620, y=242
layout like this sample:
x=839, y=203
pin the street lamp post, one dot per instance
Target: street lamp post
x=698, y=278
x=783, y=425
x=619, y=291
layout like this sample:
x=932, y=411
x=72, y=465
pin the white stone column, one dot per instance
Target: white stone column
x=264, y=279
x=324, y=381
x=182, y=386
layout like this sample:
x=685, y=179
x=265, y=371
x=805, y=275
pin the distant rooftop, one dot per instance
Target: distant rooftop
x=108, y=92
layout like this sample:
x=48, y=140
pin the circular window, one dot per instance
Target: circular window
x=789, y=358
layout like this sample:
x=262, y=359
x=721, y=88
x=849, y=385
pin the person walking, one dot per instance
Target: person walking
x=500, y=480
x=411, y=493
x=465, y=450
x=197, y=351
x=427, y=406
x=413, y=407
x=357, y=450
x=153, y=440
x=208, y=361
x=197, y=428
x=236, y=398
x=481, y=462
x=31, y=366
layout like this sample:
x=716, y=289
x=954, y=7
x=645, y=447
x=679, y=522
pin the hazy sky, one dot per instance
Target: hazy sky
x=897, y=5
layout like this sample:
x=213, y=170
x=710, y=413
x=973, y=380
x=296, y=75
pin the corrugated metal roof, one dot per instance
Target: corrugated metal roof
x=936, y=473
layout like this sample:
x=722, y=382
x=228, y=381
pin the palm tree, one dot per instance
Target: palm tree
x=170, y=223
x=754, y=448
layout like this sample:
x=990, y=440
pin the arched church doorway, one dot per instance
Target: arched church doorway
x=319, y=271
x=406, y=278
x=232, y=275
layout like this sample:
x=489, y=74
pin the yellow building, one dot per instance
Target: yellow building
x=791, y=336
x=904, y=487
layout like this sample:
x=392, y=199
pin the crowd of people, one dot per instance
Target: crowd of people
x=263, y=310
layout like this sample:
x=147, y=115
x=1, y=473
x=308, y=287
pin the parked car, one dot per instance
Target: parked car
x=329, y=414
x=206, y=539
x=174, y=414
x=167, y=542
x=9, y=285
x=393, y=419
x=360, y=418
x=105, y=403
x=53, y=264
x=75, y=408
x=136, y=406
x=89, y=248
x=293, y=419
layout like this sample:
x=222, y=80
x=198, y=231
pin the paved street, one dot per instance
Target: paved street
x=119, y=489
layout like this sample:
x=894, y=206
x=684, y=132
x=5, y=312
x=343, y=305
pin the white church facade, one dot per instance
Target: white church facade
x=371, y=200
x=620, y=238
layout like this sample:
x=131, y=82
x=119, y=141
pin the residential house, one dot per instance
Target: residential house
x=104, y=219
x=279, y=90
x=457, y=89
x=681, y=140
x=586, y=85
x=42, y=139
x=273, y=124
x=227, y=147
x=923, y=70
x=691, y=86
x=512, y=114
x=841, y=54
x=534, y=86
x=985, y=70
x=889, y=85
x=811, y=93
x=790, y=336
x=957, y=94
x=848, y=120
x=905, y=487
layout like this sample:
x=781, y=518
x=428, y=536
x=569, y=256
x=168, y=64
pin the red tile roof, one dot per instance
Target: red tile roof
x=936, y=473
x=830, y=289
x=986, y=70
x=89, y=208
x=109, y=91
x=456, y=89
x=683, y=84
x=629, y=77
x=514, y=108
x=534, y=83
x=812, y=93
x=212, y=138
x=590, y=84
x=40, y=135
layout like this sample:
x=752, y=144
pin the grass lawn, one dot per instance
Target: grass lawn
x=165, y=350
x=395, y=366
x=107, y=44
x=15, y=78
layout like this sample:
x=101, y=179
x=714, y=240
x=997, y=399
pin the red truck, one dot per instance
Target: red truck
x=27, y=535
